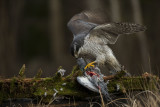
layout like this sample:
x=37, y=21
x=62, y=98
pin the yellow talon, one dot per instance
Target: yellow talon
x=90, y=65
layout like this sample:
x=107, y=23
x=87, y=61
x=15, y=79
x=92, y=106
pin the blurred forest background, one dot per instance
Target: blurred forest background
x=35, y=33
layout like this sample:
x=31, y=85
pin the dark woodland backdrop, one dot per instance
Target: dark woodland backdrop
x=35, y=33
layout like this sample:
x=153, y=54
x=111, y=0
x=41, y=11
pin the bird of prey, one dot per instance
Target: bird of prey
x=91, y=36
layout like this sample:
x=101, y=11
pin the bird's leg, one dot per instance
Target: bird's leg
x=90, y=65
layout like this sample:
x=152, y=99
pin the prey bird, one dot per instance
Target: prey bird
x=91, y=36
x=93, y=80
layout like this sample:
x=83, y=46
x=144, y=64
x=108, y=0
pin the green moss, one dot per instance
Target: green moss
x=39, y=73
x=75, y=72
x=22, y=71
x=13, y=86
x=44, y=87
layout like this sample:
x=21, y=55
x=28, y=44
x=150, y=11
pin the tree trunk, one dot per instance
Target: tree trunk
x=137, y=14
x=94, y=4
x=10, y=14
x=115, y=10
x=56, y=31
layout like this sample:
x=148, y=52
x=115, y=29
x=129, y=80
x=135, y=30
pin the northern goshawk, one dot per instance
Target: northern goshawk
x=91, y=36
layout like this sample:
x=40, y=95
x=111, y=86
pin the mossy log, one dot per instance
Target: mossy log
x=50, y=87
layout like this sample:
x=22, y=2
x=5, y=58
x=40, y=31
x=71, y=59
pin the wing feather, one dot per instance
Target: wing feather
x=111, y=31
x=85, y=21
x=80, y=27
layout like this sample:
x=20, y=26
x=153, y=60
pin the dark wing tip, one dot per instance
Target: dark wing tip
x=143, y=28
x=128, y=28
x=138, y=27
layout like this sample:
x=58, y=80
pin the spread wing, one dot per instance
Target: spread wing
x=92, y=22
x=110, y=32
x=80, y=27
x=85, y=21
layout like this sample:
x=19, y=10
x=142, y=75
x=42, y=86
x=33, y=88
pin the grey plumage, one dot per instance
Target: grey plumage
x=81, y=63
x=93, y=80
x=92, y=33
x=99, y=83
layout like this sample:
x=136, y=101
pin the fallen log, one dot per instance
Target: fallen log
x=51, y=87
